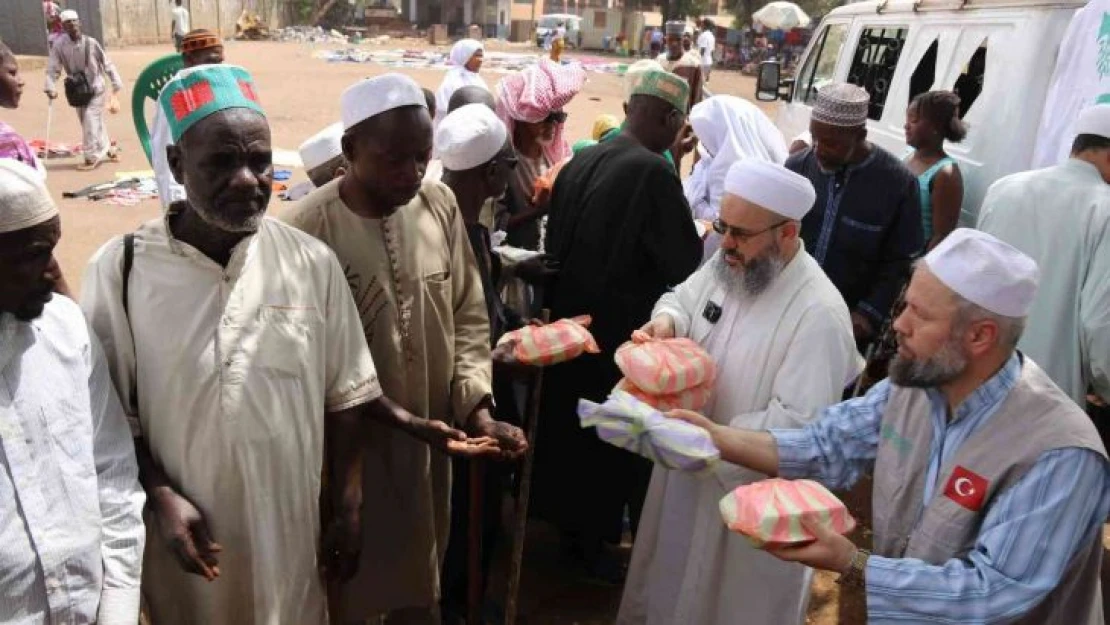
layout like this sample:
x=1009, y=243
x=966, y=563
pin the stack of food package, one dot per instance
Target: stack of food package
x=666, y=373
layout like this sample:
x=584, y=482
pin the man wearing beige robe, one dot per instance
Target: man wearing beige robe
x=408, y=261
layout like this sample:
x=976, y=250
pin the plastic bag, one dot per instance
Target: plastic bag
x=690, y=399
x=770, y=512
x=553, y=343
x=665, y=366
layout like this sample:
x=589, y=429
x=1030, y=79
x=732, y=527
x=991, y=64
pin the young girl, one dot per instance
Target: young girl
x=932, y=118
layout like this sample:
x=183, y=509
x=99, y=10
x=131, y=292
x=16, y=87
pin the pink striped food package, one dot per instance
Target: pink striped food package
x=665, y=366
x=553, y=343
x=770, y=512
x=690, y=399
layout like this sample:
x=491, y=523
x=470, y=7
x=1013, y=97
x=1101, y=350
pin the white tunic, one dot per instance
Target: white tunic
x=236, y=369
x=1061, y=217
x=781, y=356
x=71, y=525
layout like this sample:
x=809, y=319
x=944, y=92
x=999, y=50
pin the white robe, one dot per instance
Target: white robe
x=781, y=356
x=458, y=76
x=1081, y=79
x=1061, y=217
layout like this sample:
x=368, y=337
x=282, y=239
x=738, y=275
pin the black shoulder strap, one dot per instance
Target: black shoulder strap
x=128, y=261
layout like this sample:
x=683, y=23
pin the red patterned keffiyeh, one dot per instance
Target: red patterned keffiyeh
x=535, y=92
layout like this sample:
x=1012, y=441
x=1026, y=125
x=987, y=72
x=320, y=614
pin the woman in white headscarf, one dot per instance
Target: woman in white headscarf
x=729, y=129
x=466, y=59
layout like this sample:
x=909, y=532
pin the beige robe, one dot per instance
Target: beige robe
x=419, y=293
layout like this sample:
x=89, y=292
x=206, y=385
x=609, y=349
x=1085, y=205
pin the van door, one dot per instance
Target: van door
x=821, y=65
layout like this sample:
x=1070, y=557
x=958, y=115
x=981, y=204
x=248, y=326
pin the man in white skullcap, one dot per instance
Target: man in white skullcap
x=78, y=53
x=71, y=545
x=322, y=157
x=991, y=485
x=408, y=262
x=782, y=340
x=865, y=226
x=1061, y=217
x=685, y=63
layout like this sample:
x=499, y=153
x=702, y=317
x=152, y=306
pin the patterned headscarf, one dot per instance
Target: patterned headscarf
x=537, y=91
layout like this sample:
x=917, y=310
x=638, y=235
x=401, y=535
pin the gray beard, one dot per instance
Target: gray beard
x=753, y=277
x=944, y=367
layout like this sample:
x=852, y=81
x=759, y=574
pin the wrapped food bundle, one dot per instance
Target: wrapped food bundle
x=770, y=512
x=690, y=399
x=553, y=343
x=665, y=366
x=629, y=423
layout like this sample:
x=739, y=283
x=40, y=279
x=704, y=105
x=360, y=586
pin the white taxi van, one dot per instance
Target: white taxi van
x=997, y=55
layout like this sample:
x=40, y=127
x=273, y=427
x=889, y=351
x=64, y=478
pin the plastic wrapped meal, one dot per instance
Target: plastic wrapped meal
x=553, y=343
x=770, y=512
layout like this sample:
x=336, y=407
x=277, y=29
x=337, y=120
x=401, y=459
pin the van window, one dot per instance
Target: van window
x=874, y=63
x=926, y=72
x=970, y=83
x=820, y=66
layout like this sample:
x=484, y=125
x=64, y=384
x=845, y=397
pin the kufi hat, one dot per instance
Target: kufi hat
x=69, y=15
x=772, y=187
x=663, y=85
x=322, y=147
x=199, y=39
x=374, y=96
x=1094, y=120
x=24, y=201
x=841, y=104
x=985, y=271
x=197, y=92
x=469, y=136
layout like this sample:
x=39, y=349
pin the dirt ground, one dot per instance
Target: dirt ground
x=301, y=95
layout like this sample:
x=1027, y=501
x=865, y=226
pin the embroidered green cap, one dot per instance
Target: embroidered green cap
x=197, y=92
x=663, y=85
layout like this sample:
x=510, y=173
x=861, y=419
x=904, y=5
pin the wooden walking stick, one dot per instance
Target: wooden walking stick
x=520, y=515
x=476, y=469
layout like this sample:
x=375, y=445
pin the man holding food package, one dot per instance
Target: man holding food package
x=763, y=309
x=991, y=485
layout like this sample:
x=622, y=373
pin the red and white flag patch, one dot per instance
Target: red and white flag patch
x=967, y=488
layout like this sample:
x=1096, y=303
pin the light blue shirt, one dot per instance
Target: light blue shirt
x=1027, y=539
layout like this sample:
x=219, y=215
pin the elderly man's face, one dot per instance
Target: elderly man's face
x=835, y=146
x=752, y=243
x=73, y=29
x=225, y=163
x=389, y=153
x=27, y=271
x=930, y=343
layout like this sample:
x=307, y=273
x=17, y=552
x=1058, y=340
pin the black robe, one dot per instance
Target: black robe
x=621, y=229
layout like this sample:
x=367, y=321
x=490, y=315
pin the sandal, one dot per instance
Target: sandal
x=89, y=166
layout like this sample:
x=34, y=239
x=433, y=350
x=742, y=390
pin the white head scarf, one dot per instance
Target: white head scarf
x=729, y=129
x=457, y=75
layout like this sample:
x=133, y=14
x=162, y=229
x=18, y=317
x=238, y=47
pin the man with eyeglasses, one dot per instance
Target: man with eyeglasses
x=781, y=336
x=621, y=231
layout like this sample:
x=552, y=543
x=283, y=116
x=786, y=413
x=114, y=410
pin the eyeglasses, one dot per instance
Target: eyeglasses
x=556, y=117
x=741, y=235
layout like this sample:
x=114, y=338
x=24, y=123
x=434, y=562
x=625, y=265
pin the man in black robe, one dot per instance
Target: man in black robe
x=622, y=233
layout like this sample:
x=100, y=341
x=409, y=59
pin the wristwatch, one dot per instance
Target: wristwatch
x=854, y=576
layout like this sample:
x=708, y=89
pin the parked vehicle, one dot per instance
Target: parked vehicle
x=548, y=23
x=997, y=55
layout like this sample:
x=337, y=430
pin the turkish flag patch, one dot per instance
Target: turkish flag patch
x=967, y=488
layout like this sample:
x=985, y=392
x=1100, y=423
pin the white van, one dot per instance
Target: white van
x=997, y=55
x=550, y=22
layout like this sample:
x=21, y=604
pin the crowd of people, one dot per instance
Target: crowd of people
x=281, y=419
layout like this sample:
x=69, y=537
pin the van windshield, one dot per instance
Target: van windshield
x=552, y=22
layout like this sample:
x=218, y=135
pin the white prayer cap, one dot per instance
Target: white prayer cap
x=69, y=15
x=1094, y=120
x=322, y=146
x=985, y=271
x=841, y=104
x=469, y=136
x=374, y=96
x=771, y=186
x=24, y=202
